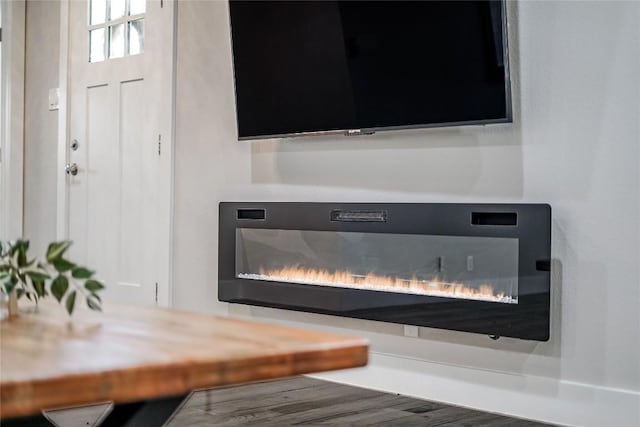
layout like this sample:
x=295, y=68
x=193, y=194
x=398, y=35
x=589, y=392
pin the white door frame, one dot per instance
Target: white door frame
x=165, y=296
x=12, y=120
x=62, y=227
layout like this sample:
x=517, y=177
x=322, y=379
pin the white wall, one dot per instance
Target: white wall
x=574, y=144
x=40, y=124
x=12, y=119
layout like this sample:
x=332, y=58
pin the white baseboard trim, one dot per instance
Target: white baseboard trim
x=536, y=398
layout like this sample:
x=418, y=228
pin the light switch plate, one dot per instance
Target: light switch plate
x=54, y=97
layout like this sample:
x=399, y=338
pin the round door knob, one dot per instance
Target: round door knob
x=71, y=169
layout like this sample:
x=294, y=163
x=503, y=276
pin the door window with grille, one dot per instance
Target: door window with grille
x=116, y=28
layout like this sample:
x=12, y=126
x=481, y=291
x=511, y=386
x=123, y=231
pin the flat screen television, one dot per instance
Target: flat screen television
x=365, y=66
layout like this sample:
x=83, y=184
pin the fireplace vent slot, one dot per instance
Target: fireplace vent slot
x=494, y=218
x=543, y=265
x=358, y=216
x=251, y=214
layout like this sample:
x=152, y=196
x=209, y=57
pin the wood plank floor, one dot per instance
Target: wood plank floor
x=303, y=401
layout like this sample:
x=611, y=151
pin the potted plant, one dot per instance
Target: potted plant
x=23, y=276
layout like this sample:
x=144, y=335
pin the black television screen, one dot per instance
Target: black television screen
x=323, y=66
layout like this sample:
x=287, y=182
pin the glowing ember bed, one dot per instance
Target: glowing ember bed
x=475, y=268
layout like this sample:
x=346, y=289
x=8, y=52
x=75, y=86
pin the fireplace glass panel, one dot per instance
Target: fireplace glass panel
x=476, y=268
x=466, y=267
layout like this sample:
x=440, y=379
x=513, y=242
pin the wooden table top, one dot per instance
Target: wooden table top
x=132, y=353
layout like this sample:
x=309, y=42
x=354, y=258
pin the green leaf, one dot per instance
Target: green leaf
x=37, y=275
x=63, y=265
x=20, y=292
x=70, y=302
x=10, y=283
x=18, y=245
x=57, y=249
x=93, y=285
x=93, y=305
x=59, y=287
x=22, y=256
x=81, y=273
x=38, y=285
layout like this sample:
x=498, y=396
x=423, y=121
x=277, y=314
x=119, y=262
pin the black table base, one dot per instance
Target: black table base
x=148, y=413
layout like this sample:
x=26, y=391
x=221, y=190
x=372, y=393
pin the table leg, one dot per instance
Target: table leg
x=150, y=413
x=33, y=421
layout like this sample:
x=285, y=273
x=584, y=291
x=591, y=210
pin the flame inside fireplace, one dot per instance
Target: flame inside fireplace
x=374, y=282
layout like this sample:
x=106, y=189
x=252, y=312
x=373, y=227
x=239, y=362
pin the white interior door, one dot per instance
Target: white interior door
x=119, y=144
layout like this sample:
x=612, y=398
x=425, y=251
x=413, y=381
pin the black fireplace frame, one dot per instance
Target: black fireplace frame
x=530, y=223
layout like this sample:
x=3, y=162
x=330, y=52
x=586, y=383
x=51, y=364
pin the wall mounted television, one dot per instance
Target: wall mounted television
x=357, y=67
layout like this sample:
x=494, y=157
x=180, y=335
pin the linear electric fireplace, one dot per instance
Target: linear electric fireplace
x=480, y=268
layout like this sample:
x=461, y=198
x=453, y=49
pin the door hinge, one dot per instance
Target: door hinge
x=161, y=4
x=159, y=144
x=156, y=293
